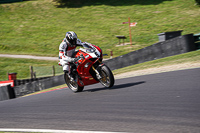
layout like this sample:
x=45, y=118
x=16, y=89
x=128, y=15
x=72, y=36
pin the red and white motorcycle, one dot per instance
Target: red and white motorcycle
x=89, y=69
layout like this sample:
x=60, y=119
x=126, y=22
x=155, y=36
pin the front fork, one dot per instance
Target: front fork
x=98, y=75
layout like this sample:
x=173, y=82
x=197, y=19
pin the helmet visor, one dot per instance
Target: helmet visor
x=73, y=41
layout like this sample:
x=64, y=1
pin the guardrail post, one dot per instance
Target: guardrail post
x=11, y=92
x=53, y=70
x=31, y=71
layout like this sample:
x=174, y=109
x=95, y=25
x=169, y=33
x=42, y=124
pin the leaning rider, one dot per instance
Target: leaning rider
x=67, y=50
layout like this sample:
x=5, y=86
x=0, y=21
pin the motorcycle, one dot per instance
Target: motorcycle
x=88, y=69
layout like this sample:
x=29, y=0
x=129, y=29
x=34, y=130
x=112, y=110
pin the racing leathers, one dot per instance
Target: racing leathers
x=66, y=53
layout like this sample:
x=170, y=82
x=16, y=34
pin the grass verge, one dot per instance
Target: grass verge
x=22, y=67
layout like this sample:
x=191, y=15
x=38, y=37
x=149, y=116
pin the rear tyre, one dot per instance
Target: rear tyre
x=73, y=84
x=107, y=78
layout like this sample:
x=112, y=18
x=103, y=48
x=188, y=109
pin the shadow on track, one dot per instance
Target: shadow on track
x=115, y=87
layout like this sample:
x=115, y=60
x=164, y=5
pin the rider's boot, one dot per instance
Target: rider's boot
x=70, y=76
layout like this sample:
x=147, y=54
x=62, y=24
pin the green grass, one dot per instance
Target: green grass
x=22, y=67
x=37, y=27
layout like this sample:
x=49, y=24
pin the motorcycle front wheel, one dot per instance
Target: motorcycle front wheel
x=107, y=78
x=72, y=84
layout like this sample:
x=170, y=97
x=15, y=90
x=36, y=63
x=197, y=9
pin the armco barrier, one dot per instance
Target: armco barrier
x=38, y=85
x=4, y=93
x=178, y=45
x=24, y=81
x=8, y=92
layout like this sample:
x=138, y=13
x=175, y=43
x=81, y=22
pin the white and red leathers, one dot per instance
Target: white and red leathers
x=66, y=52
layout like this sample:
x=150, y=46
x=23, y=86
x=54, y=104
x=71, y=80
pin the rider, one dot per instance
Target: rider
x=67, y=50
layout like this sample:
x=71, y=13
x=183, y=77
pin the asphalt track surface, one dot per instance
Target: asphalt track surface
x=158, y=103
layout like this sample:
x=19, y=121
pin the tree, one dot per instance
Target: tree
x=61, y=3
x=197, y=2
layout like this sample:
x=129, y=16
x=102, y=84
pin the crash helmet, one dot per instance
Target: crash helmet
x=71, y=38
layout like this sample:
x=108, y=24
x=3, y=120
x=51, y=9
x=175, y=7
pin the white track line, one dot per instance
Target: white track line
x=50, y=131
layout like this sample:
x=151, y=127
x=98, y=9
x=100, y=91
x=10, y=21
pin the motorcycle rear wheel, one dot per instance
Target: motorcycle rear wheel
x=72, y=84
x=107, y=78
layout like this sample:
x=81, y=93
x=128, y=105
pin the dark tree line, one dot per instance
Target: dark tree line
x=62, y=3
x=198, y=2
x=79, y=3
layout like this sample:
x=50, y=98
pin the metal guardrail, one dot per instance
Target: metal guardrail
x=174, y=46
x=24, y=81
x=197, y=40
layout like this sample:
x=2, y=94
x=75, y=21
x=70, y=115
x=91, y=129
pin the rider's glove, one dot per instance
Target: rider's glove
x=73, y=60
x=81, y=56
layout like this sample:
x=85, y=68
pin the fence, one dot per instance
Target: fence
x=45, y=71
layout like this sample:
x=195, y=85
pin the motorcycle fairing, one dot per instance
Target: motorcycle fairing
x=84, y=67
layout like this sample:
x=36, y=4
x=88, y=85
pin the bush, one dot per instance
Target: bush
x=61, y=3
x=197, y=2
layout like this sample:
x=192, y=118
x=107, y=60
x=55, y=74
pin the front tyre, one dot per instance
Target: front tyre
x=72, y=84
x=107, y=78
